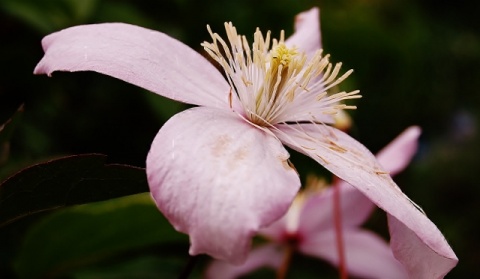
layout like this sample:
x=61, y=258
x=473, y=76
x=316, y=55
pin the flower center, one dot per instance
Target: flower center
x=292, y=239
x=277, y=83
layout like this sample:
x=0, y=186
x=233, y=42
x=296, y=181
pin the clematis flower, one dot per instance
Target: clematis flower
x=219, y=171
x=309, y=226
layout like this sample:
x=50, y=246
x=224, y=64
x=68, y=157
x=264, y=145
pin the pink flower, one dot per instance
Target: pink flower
x=219, y=171
x=309, y=226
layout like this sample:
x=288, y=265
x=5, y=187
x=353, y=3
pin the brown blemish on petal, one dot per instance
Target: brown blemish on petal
x=221, y=145
x=224, y=146
x=323, y=159
x=335, y=147
x=288, y=165
x=230, y=98
x=240, y=154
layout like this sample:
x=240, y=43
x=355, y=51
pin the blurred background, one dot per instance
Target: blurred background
x=415, y=62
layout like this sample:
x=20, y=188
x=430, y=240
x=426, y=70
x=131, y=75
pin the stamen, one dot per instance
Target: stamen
x=276, y=83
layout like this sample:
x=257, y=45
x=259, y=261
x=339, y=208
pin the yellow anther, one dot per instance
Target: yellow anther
x=281, y=54
x=276, y=83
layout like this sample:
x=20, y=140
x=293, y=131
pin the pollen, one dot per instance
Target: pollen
x=276, y=82
x=281, y=54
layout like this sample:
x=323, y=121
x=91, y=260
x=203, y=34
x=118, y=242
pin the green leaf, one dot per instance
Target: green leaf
x=67, y=181
x=71, y=240
x=50, y=15
x=143, y=267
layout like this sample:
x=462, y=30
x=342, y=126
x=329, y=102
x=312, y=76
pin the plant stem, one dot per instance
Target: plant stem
x=337, y=211
x=282, y=271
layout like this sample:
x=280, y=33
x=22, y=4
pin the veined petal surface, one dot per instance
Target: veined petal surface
x=351, y=161
x=219, y=179
x=394, y=157
x=146, y=58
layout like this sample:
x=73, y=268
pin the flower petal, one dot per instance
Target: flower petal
x=394, y=157
x=366, y=254
x=420, y=260
x=352, y=162
x=397, y=155
x=275, y=231
x=219, y=179
x=266, y=256
x=146, y=58
x=307, y=32
x=318, y=213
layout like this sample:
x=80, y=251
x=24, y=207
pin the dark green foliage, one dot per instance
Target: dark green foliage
x=85, y=238
x=67, y=181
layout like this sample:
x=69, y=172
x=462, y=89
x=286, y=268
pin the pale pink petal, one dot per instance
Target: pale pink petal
x=318, y=212
x=146, y=58
x=269, y=255
x=352, y=162
x=275, y=231
x=397, y=155
x=420, y=260
x=307, y=32
x=394, y=157
x=307, y=38
x=366, y=254
x=219, y=179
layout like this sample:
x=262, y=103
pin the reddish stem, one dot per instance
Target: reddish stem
x=282, y=271
x=337, y=211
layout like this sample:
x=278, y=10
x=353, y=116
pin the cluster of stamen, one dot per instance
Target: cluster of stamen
x=276, y=83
